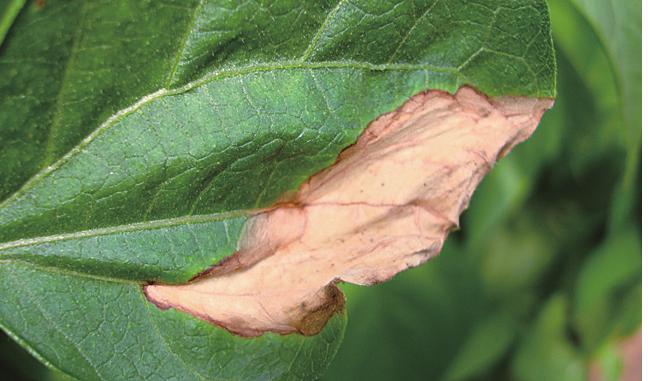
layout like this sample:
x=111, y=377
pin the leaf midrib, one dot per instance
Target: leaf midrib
x=126, y=228
x=48, y=269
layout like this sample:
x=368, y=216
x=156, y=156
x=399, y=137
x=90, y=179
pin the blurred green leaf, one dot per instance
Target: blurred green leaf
x=8, y=12
x=518, y=257
x=628, y=315
x=486, y=343
x=588, y=101
x=546, y=353
x=604, y=284
x=618, y=25
x=496, y=198
x=609, y=363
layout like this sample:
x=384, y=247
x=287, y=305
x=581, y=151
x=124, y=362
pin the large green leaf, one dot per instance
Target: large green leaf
x=135, y=137
x=618, y=25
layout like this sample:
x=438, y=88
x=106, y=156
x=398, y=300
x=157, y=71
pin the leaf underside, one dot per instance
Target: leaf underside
x=135, y=138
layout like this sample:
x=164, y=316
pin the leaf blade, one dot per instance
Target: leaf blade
x=144, y=109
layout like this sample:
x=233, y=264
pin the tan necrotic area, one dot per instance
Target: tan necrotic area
x=387, y=205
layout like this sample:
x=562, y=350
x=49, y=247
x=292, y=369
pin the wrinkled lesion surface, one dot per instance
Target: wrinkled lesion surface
x=386, y=205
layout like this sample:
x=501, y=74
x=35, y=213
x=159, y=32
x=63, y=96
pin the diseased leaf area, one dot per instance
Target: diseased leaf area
x=136, y=136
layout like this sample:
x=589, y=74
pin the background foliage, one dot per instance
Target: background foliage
x=544, y=276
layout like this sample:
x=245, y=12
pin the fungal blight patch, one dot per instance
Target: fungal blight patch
x=387, y=204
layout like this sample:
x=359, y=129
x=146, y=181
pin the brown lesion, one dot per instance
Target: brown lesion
x=386, y=205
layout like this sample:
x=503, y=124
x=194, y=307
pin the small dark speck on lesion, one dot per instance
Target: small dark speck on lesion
x=40, y=4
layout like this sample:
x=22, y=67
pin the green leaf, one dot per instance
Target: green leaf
x=618, y=25
x=519, y=257
x=496, y=333
x=137, y=136
x=8, y=12
x=606, y=290
x=610, y=363
x=546, y=353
